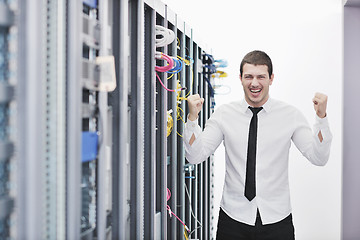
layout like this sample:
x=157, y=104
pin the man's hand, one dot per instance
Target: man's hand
x=195, y=103
x=320, y=101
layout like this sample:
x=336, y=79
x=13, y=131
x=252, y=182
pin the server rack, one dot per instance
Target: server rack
x=190, y=186
x=82, y=161
x=150, y=161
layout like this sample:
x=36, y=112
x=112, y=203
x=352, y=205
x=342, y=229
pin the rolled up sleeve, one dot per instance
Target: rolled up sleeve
x=308, y=142
x=206, y=141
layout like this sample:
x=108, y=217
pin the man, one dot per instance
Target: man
x=257, y=134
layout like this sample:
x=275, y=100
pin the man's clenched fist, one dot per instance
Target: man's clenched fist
x=195, y=103
x=320, y=102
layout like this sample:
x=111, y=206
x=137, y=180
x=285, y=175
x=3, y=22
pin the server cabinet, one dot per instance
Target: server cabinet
x=91, y=124
x=178, y=195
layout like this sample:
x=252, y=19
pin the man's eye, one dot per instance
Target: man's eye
x=248, y=77
x=261, y=77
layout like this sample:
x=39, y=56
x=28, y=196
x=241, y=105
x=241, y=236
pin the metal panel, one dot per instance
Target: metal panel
x=161, y=146
x=202, y=116
x=172, y=18
x=206, y=168
x=162, y=130
x=104, y=175
x=73, y=119
x=189, y=200
x=53, y=92
x=31, y=109
x=200, y=180
x=160, y=8
x=150, y=126
x=21, y=120
x=61, y=120
x=137, y=119
x=180, y=129
x=187, y=30
x=173, y=138
x=119, y=102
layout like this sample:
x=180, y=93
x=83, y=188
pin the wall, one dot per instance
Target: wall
x=351, y=164
x=304, y=40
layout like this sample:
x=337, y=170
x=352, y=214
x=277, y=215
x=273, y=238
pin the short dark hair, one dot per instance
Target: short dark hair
x=257, y=58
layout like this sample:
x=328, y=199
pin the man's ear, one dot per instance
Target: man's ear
x=271, y=79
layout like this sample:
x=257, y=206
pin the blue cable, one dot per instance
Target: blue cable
x=222, y=63
x=178, y=64
x=211, y=68
x=212, y=93
x=192, y=177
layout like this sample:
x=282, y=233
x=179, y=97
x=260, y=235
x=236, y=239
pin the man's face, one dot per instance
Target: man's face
x=256, y=81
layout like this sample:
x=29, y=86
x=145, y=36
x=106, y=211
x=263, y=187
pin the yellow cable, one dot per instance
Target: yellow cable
x=178, y=42
x=170, y=76
x=179, y=111
x=179, y=117
x=170, y=122
x=187, y=62
x=186, y=234
x=220, y=74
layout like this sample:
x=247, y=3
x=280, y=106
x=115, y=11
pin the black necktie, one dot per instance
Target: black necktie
x=250, y=187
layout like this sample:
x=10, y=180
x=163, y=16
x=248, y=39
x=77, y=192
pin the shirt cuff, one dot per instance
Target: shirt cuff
x=191, y=127
x=322, y=124
x=192, y=123
x=321, y=121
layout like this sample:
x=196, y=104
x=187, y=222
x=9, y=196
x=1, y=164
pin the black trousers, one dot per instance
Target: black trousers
x=230, y=229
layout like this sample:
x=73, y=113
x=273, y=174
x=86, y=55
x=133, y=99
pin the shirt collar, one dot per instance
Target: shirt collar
x=267, y=106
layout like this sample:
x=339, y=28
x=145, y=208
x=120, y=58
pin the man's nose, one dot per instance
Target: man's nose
x=255, y=82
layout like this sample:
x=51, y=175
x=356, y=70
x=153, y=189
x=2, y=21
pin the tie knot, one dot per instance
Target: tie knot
x=255, y=110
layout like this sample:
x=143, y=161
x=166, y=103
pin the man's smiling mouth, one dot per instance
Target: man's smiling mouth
x=255, y=90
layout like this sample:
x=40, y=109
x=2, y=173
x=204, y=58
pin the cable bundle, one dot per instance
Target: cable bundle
x=170, y=122
x=178, y=64
x=169, y=60
x=169, y=67
x=168, y=195
x=167, y=36
x=219, y=74
x=209, y=59
x=212, y=68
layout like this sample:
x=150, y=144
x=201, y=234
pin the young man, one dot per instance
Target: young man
x=257, y=133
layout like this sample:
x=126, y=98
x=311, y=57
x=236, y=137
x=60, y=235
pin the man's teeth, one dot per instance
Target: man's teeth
x=255, y=91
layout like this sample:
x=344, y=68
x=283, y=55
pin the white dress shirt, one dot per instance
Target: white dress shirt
x=278, y=124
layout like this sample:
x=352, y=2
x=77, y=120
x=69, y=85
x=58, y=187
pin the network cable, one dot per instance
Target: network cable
x=170, y=122
x=220, y=63
x=178, y=65
x=191, y=210
x=169, y=60
x=187, y=230
x=212, y=93
x=219, y=74
x=168, y=67
x=210, y=59
x=167, y=36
